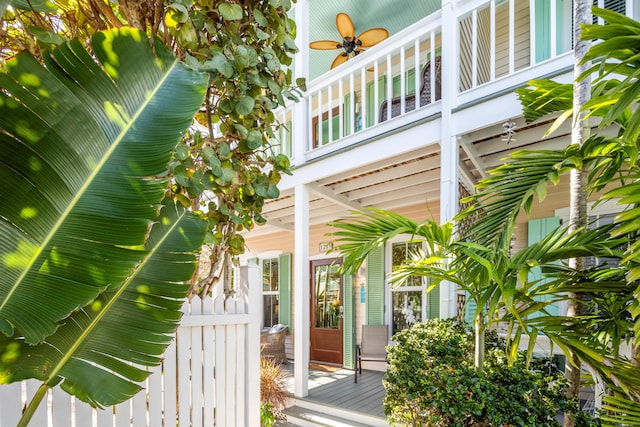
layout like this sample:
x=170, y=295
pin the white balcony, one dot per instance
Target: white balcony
x=490, y=47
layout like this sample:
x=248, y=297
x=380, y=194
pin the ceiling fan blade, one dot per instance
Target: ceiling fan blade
x=373, y=36
x=345, y=26
x=340, y=59
x=325, y=45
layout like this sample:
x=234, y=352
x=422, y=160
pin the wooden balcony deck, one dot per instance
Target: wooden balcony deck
x=333, y=392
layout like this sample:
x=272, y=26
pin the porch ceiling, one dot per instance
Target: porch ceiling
x=393, y=15
x=409, y=179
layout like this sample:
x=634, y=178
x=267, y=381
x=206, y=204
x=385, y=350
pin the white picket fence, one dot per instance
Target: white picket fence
x=210, y=375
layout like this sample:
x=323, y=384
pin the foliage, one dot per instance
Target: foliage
x=83, y=153
x=227, y=165
x=430, y=381
x=267, y=417
x=612, y=162
x=273, y=388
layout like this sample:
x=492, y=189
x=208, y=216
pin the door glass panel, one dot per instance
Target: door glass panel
x=327, y=297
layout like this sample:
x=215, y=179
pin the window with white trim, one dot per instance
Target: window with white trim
x=410, y=303
x=270, y=294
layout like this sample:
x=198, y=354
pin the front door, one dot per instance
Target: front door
x=326, y=311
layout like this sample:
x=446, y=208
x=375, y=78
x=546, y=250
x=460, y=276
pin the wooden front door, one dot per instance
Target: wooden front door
x=326, y=311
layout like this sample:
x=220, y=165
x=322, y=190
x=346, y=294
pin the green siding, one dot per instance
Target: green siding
x=349, y=342
x=537, y=230
x=284, y=290
x=375, y=287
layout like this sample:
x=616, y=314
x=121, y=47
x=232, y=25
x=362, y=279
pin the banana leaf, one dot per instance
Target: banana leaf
x=100, y=351
x=85, y=140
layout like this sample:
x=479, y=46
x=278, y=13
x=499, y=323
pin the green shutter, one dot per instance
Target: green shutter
x=284, y=290
x=409, y=83
x=537, y=230
x=543, y=28
x=375, y=287
x=371, y=107
x=349, y=342
x=287, y=148
x=433, y=298
x=469, y=309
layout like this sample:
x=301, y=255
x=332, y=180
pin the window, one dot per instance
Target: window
x=410, y=303
x=270, y=294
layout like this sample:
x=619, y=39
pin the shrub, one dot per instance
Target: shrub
x=273, y=391
x=431, y=382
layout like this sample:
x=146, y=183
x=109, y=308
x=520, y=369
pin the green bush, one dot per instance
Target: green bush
x=431, y=381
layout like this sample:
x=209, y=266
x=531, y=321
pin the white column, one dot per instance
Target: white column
x=301, y=297
x=300, y=122
x=449, y=156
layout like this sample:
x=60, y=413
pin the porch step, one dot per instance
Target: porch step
x=305, y=413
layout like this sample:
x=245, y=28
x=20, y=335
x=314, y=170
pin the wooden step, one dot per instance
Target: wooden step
x=310, y=414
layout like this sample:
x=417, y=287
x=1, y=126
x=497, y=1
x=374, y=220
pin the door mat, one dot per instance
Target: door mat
x=323, y=367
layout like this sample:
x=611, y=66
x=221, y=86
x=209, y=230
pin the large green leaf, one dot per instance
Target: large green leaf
x=84, y=144
x=132, y=323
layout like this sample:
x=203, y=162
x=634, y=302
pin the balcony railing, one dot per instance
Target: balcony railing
x=497, y=42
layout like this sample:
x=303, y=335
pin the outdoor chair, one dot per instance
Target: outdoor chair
x=373, y=346
x=272, y=343
x=425, y=93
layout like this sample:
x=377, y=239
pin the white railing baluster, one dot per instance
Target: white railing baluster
x=319, y=133
x=352, y=103
x=310, y=123
x=554, y=35
x=376, y=94
x=402, y=82
x=363, y=96
x=340, y=110
x=512, y=24
x=330, y=115
x=418, y=71
x=492, y=40
x=389, y=88
x=474, y=48
x=532, y=32
x=432, y=69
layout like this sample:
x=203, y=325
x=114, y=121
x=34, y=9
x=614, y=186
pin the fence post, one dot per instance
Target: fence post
x=250, y=285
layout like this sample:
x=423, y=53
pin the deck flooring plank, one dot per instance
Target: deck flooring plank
x=335, y=387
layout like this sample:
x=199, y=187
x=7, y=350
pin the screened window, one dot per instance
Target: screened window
x=270, y=295
x=408, y=302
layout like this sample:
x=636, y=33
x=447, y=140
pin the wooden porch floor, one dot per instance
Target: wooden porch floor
x=334, y=387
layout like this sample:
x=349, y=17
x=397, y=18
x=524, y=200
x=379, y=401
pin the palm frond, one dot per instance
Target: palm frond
x=621, y=410
x=364, y=231
x=511, y=187
x=85, y=143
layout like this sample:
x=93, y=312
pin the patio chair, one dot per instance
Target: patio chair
x=272, y=343
x=373, y=346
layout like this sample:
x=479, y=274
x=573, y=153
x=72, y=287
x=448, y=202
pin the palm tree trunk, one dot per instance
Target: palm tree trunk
x=578, y=196
x=479, y=348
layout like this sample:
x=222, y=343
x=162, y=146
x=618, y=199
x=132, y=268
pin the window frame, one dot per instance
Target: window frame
x=273, y=257
x=389, y=291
